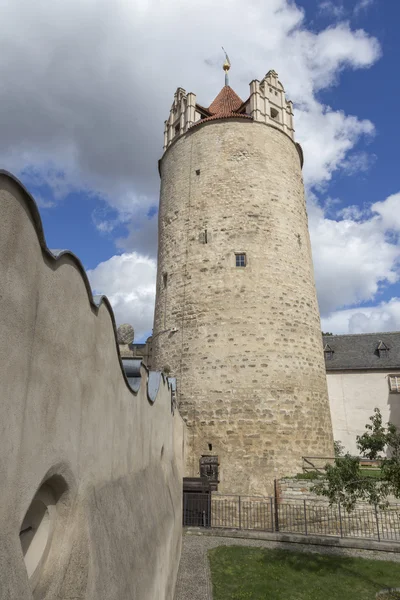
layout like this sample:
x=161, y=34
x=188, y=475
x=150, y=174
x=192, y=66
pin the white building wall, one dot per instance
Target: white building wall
x=353, y=395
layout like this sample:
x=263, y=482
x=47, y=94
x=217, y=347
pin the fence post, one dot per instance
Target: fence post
x=276, y=505
x=272, y=513
x=305, y=516
x=377, y=523
x=340, y=521
x=240, y=514
x=276, y=510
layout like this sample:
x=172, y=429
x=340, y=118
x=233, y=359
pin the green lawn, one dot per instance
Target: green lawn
x=242, y=573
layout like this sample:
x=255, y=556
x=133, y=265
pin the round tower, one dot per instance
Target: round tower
x=236, y=317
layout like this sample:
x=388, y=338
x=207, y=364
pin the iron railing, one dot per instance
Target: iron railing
x=306, y=517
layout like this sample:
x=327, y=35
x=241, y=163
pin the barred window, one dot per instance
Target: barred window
x=394, y=383
x=241, y=260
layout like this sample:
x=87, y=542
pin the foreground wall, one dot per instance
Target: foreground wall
x=90, y=471
x=353, y=395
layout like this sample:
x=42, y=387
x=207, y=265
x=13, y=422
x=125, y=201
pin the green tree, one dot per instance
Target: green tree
x=346, y=482
x=338, y=448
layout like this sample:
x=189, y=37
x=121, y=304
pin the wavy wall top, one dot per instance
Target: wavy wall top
x=91, y=465
x=133, y=381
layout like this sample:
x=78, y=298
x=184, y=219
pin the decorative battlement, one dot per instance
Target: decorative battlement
x=266, y=104
x=182, y=115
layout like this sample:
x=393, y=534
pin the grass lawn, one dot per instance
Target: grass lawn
x=243, y=573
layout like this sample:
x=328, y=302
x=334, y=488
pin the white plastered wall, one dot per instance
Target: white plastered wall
x=353, y=395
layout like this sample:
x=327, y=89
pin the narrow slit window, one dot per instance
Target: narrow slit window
x=240, y=259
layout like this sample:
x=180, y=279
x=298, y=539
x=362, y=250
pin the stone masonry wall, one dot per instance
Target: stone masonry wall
x=247, y=350
x=294, y=490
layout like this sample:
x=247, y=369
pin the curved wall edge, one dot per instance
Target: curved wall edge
x=153, y=379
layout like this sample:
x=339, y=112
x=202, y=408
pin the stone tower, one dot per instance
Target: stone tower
x=236, y=317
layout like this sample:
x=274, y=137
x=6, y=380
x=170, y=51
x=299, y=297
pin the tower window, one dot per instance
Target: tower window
x=177, y=129
x=240, y=259
x=274, y=114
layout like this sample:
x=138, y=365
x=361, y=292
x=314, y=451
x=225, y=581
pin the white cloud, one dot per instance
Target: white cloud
x=389, y=211
x=356, y=257
x=362, y=5
x=331, y=8
x=383, y=317
x=327, y=137
x=128, y=280
x=87, y=84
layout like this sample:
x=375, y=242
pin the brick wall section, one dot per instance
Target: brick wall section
x=248, y=351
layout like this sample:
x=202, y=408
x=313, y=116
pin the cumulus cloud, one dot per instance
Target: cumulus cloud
x=327, y=137
x=383, y=317
x=87, y=85
x=128, y=280
x=357, y=256
x=90, y=83
x=389, y=212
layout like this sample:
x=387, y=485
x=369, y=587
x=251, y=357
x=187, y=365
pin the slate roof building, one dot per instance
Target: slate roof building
x=363, y=372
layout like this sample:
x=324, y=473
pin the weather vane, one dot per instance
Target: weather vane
x=226, y=66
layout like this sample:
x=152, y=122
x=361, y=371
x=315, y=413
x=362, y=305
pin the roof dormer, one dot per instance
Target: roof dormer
x=328, y=352
x=382, y=349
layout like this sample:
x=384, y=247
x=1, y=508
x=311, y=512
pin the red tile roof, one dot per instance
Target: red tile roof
x=225, y=106
x=227, y=101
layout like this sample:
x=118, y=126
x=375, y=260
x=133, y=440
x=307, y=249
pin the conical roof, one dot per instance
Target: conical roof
x=226, y=105
x=227, y=101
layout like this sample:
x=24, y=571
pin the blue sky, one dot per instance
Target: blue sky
x=85, y=88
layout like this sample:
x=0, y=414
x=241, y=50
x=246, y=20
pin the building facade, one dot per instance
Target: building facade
x=363, y=373
x=236, y=317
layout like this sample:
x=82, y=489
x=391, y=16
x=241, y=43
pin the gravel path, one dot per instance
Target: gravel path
x=194, y=581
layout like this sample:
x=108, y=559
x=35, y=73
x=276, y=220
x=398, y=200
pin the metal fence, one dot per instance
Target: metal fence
x=306, y=517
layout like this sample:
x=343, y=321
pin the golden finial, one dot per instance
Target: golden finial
x=226, y=66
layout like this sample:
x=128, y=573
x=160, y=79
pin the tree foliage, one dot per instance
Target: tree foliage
x=338, y=448
x=347, y=482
